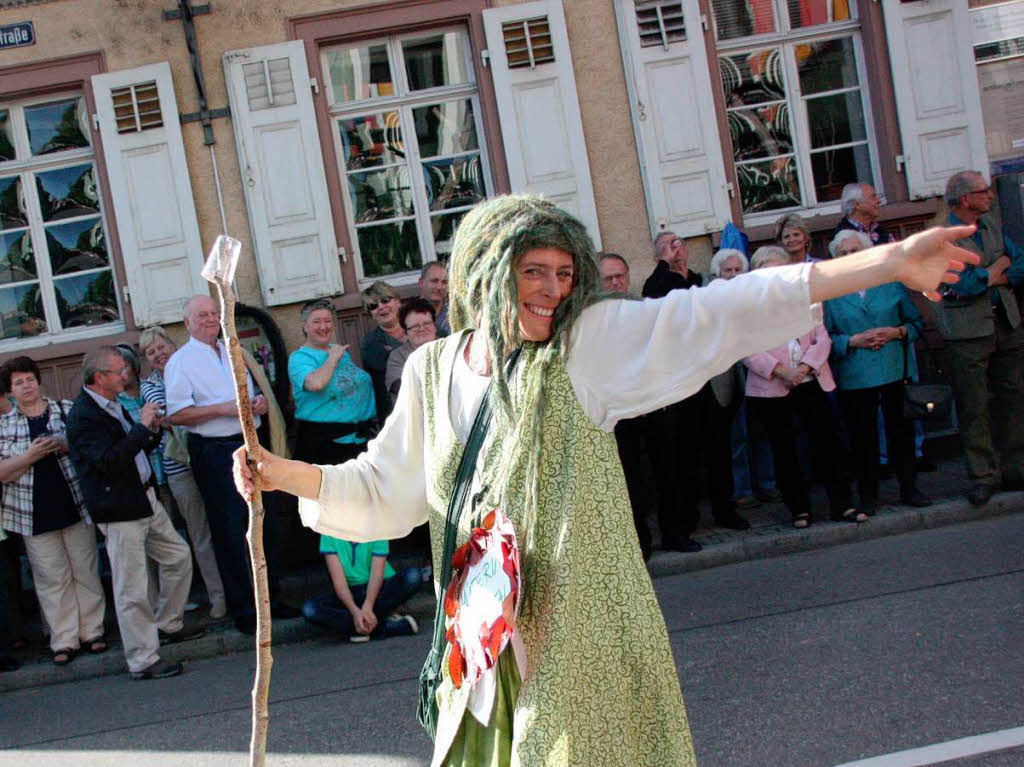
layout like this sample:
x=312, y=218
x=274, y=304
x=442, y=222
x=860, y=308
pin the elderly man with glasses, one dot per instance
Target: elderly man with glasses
x=980, y=321
x=109, y=451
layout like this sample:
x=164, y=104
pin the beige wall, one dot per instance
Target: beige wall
x=132, y=33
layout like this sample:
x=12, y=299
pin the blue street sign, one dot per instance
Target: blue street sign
x=17, y=35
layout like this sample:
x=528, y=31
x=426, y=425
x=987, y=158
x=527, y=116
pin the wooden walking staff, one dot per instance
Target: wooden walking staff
x=220, y=270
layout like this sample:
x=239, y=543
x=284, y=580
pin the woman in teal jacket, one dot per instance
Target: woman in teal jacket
x=872, y=336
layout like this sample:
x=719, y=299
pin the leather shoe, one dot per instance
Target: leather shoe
x=181, y=635
x=685, y=545
x=732, y=521
x=160, y=669
x=769, y=495
x=917, y=499
x=979, y=494
x=1012, y=485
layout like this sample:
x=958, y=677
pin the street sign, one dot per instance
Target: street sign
x=17, y=35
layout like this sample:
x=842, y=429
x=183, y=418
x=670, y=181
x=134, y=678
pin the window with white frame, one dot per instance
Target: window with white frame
x=405, y=116
x=798, y=116
x=55, y=267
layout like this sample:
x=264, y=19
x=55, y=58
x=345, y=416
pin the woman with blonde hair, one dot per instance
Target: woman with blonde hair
x=157, y=347
x=793, y=234
x=590, y=677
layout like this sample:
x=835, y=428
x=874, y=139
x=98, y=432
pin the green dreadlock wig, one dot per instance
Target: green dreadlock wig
x=488, y=246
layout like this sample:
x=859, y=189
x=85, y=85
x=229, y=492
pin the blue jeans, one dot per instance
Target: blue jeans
x=229, y=518
x=327, y=610
x=748, y=452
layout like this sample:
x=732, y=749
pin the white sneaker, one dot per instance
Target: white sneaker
x=216, y=613
x=359, y=638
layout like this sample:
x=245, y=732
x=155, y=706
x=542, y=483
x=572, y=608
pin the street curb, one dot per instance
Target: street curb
x=778, y=540
x=761, y=542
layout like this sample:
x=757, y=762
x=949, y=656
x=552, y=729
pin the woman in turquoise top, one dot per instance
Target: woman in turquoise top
x=335, y=408
x=872, y=334
x=131, y=399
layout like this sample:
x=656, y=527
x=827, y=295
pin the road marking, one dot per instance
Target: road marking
x=946, y=752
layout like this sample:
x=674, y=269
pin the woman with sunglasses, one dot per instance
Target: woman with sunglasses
x=590, y=678
x=382, y=302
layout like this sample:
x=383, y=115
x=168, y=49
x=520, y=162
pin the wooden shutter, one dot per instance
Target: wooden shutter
x=673, y=113
x=152, y=200
x=538, y=108
x=937, y=95
x=283, y=172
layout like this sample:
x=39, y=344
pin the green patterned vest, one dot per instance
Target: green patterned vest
x=600, y=686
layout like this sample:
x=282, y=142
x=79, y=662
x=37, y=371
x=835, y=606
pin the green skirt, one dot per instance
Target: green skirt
x=490, y=746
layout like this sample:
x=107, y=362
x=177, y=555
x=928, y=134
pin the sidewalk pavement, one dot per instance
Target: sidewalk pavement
x=770, y=535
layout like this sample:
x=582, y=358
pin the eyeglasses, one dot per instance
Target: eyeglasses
x=983, y=190
x=115, y=372
x=419, y=327
x=374, y=304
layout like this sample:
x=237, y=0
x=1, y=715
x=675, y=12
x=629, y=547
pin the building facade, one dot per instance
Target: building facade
x=342, y=142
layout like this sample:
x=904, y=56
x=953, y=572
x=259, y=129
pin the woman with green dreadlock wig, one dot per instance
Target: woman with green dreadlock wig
x=590, y=679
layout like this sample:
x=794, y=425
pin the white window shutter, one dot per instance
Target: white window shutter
x=283, y=172
x=936, y=86
x=673, y=112
x=152, y=200
x=538, y=108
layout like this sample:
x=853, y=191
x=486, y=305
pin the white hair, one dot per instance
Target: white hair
x=852, y=194
x=718, y=260
x=845, y=234
x=768, y=253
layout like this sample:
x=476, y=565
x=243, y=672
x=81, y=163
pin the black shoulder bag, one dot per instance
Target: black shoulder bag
x=431, y=676
x=924, y=401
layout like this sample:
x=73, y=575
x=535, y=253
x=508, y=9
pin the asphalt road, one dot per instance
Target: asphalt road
x=821, y=659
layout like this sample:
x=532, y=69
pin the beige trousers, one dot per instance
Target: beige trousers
x=190, y=504
x=65, y=568
x=129, y=546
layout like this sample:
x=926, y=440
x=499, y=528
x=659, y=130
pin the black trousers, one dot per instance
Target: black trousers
x=860, y=407
x=680, y=439
x=631, y=436
x=228, y=515
x=808, y=403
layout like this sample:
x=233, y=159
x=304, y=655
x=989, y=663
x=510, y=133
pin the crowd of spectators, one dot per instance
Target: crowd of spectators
x=131, y=454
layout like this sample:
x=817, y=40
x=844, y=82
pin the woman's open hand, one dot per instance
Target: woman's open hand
x=929, y=258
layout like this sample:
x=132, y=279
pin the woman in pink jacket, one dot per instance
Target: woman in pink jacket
x=790, y=382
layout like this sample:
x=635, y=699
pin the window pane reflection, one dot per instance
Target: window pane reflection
x=826, y=66
x=809, y=13
x=446, y=128
x=760, y=132
x=57, y=126
x=741, y=18
x=444, y=226
x=6, y=137
x=437, y=59
x=771, y=185
x=21, y=312
x=12, y=203
x=753, y=78
x=68, y=192
x=380, y=194
x=360, y=72
x=371, y=140
x=86, y=299
x=389, y=248
x=17, y=261
x=835, y=168
x=77, y=246
x=454, y=183
x=837, y=119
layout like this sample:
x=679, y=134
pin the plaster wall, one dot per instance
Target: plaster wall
x=132, y=33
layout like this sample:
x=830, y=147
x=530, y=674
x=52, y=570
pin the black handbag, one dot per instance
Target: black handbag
x=430, y=675
x=924, y=401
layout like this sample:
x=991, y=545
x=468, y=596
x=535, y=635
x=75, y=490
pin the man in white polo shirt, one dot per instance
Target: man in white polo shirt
x=201, y=397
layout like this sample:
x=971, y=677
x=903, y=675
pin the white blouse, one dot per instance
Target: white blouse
x=624, y=358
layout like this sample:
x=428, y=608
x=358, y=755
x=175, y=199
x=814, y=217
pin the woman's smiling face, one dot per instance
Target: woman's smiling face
x=543, y=280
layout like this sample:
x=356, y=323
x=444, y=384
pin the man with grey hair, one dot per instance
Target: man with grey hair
x=433, y=284
x=980, y=321
x=109, y=450
x=861, y=205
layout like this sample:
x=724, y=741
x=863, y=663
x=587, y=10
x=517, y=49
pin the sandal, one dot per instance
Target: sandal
x=63, y=656
x=850, y=515
x=96, y=646
x=802, y=521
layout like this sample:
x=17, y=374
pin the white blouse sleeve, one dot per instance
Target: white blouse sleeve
x=382, y=493
x=626, y=358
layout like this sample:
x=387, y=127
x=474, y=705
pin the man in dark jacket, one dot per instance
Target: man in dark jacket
x=675, y=433
x=108, y=450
